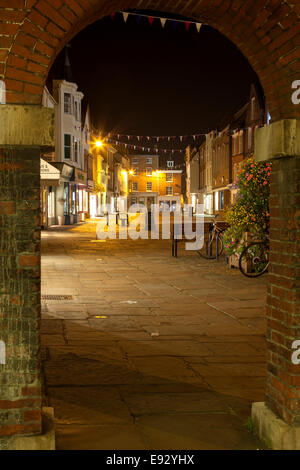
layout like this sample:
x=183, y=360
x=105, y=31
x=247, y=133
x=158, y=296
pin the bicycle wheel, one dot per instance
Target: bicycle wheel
x=254, y=259
x=209, y=249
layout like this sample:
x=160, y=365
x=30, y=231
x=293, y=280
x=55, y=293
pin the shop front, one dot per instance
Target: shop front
x=50, y=178
x=79, y=196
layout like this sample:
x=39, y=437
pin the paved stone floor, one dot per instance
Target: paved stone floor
x=151, y=352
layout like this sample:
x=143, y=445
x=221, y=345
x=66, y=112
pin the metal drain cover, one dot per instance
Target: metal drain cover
x=57, y=297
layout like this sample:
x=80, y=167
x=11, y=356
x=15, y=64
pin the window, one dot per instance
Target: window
x=76, y=111
x=67, y=146
x=241, y=142
x=135, y=161
x=216, y=200
x=170, y=164
x=67, y=103
x=149, y=171
x=221, y=200
x=169, y=190
x=149, y=186
x=252, y=108
x=76, y=150
x=149, y=161
x=169, y=177
x=133, y=200
x=134, y=186
x=249, y=138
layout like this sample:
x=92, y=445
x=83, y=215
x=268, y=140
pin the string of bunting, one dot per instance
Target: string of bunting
x=157, y=138
x=144, y=148
x=162, y=20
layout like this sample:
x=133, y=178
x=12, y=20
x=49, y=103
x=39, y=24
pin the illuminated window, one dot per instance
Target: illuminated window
x=134, y=186
x=216, y=200
x=169, y=177
x=149, y=171
x=149, y=186
x=169, y=190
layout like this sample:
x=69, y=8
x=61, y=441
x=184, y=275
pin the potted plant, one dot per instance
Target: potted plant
x=249, y=216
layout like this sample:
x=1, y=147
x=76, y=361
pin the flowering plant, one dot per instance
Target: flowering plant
x=250, y=213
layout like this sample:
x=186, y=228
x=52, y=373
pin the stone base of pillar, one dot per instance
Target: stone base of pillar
x=45, y=441
x=277, y=434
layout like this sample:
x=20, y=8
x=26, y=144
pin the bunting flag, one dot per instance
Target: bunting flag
x=125, y=16
x=198, y=26
x=163, y=21
x=112, y=16
x=175, y=23
x=187, y=25
x=138, y=19
x=151, y=19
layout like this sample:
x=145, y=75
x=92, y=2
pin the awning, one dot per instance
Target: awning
x=49, y=175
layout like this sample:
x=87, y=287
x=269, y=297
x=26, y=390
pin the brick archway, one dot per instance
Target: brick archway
x=32, y=32
x=266, y=32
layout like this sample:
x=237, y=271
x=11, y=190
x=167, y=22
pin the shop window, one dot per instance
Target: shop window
x=66, y=199
x=67, y=146
x=67, y=103
x=217, y=200
x=221, y=200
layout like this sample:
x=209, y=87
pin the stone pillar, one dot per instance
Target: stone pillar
x=23, y=131
x=278, y=419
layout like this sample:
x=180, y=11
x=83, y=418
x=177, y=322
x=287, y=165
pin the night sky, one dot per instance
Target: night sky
x=146, y=80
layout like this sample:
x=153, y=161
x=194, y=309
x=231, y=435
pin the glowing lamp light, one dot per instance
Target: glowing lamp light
x=131, y=172
x=99, y=143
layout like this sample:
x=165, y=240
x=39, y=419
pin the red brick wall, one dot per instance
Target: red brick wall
x=283, y=304
x=20, y=390
x=32, y=32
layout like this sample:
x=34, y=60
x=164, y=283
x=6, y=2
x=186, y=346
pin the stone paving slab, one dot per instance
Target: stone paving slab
x=174, y=359
x=196, y=431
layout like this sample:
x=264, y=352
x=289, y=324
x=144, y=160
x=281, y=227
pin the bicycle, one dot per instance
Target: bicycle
x=254, y=259
x=213, y=247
